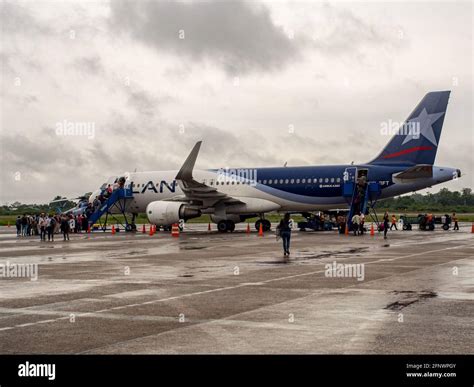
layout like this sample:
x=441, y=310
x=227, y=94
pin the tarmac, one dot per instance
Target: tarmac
x=205, y=292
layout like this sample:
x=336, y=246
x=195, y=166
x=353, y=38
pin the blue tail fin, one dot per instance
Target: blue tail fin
x=416, y=141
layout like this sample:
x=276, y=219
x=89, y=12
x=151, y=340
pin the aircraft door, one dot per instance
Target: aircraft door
x=349, y=179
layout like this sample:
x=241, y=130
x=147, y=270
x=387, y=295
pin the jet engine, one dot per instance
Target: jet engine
x=164, y=213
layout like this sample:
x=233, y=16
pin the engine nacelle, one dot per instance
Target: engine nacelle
x=164, y=213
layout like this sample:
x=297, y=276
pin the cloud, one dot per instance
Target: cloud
x=239, y=37
x=18, y=20
x=90, y=65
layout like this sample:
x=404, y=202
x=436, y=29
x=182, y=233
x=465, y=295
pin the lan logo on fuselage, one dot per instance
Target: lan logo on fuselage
x=150, y=186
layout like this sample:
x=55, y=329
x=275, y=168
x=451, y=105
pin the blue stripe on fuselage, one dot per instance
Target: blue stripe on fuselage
x=308, y=192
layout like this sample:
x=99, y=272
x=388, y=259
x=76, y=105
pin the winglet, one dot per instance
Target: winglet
x=186, y=171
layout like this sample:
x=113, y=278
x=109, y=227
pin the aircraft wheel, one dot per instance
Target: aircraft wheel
x=230, y=226
x=257, y=224
x=266, y=225
x=222, y=226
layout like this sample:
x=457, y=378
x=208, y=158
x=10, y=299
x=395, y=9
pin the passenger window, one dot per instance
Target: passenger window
x=297, y=181
x=303, y=181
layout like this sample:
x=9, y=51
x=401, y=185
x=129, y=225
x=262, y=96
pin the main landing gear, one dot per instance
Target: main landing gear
x=226, y=225
x=266, y=225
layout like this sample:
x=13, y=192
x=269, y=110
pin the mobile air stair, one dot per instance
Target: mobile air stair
x=360, y=193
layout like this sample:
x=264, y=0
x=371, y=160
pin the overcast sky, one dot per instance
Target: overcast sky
x=259, y=83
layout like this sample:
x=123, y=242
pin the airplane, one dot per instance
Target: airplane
x=80, y=207
x=230, y=196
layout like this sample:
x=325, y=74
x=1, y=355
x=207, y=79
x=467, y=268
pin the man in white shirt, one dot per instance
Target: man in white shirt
x=356, y=223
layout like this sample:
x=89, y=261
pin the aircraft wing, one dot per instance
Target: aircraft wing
x=419, y=171
x=196, y=192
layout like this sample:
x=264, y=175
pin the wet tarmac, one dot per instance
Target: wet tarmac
x=236, y=293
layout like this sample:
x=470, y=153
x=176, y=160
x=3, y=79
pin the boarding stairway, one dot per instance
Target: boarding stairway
x=117, y=202
x=360, y=197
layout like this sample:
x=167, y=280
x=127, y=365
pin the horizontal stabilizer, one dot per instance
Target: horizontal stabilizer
x=420, y=171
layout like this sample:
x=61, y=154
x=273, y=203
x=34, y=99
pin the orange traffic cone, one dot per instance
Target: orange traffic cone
x=260, y=230
x=151, y=230
x=175, y=230
x=472, y=228
x=346, y=231
x=209, y=227
x=89, y=229
x=372, y=232
x=248, y=228
x=143, y=230
x=113, y=230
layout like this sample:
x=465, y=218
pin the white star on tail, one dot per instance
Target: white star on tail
x=424, y=122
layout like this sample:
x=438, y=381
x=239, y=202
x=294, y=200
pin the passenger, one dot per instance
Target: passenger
x=455, y=220
x=57, y=224
x=42, y=227
x=96, y=204
x=356, y=223
x=65, y=227
x=85, y=222
x=284, y=229
x=24, y=225
x=18, y=226
x=385, y=225
x=34, y=225
x=394, y=222
x=50, y=223
x=28, y=226
x=79, y=224
x=362, y=221
x=107, y=192
x=121, y=182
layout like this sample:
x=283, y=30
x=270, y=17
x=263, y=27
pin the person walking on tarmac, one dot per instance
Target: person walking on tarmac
x=394, y=222
x=284, y=229
x=455, y=220
x=385, y=225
